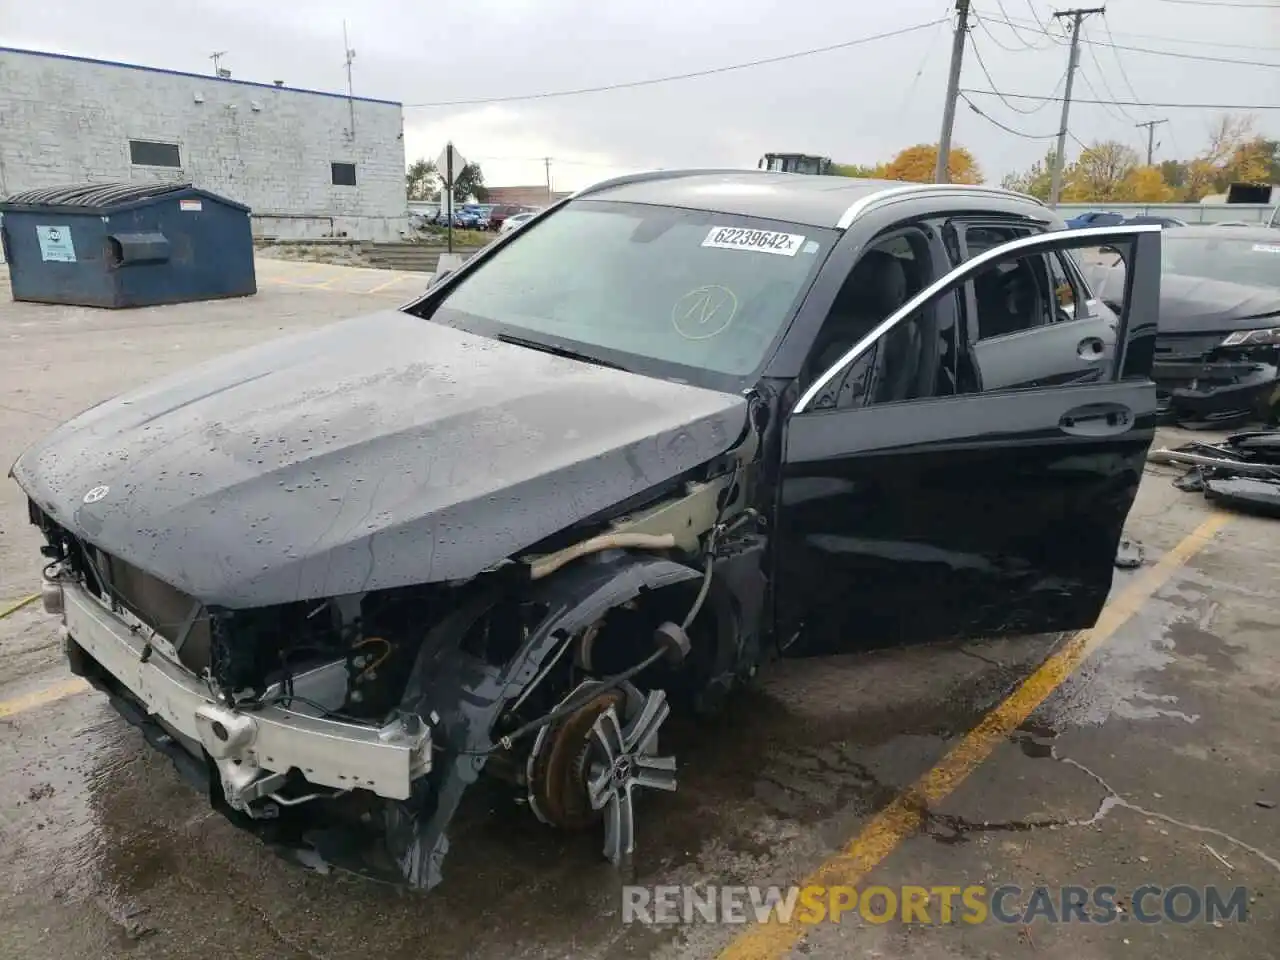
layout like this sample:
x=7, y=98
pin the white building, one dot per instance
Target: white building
x=308, y=164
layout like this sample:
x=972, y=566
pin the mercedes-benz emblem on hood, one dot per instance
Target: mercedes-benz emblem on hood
x=96, y=494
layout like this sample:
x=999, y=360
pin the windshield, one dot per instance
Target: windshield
x=680, y=293
x=1233, y=259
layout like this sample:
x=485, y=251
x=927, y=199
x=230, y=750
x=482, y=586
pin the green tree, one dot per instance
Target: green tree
x=857, y=170
x=469, y=182
x=420, y=181
x=1036, y=180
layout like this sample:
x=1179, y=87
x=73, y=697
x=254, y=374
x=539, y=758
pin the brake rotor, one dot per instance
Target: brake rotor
x=558, y=764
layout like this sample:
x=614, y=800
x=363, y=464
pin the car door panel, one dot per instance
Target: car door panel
x=967, y=516
x=1070, y=351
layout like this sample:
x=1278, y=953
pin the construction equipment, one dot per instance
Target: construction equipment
x=795, y=163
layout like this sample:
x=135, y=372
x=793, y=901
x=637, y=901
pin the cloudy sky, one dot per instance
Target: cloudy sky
x=859, y=103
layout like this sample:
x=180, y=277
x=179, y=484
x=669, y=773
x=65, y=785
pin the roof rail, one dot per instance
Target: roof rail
x=864, y=204
x=650, y=175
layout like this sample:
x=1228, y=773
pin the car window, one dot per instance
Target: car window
x=1230, y=259
x=916, y=360
x=945, y=356
x=654, y=288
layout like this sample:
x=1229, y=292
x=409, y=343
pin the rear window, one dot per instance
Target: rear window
x=640, y=285
x=1231, y=259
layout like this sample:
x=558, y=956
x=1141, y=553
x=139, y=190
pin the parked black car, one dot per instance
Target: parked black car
x=683, y=423
x=1218, y=352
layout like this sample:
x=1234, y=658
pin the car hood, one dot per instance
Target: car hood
x=1197, y=305
x=377, y=452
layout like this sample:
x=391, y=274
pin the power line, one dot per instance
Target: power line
x=1014, y=30
x=982, y=22
x=1035, y=16
x=1012, y=106
x=1124, y=74
x=1102, y=78
x=1178, y=54
x=1106, y=104
x=1194, y=41
x=924, y=62
x=1005, y=127
x=650, y=81
x=1130, y=103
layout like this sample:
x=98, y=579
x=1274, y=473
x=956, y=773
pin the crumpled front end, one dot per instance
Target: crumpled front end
x=1202, y=383
x=348, y=729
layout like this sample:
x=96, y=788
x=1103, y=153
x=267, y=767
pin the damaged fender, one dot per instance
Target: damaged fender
x=462, y=696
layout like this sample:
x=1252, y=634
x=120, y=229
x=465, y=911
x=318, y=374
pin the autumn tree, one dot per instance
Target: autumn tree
x=1100, y=172
x=420, y=181
x=916, y=164
x=1146, y=185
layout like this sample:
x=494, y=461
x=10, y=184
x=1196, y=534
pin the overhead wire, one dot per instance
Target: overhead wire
x=1003, y=126
x=924, y=62
x=1124, y=74
x=1014, y=30
x=1163, y=105
x=1105, y=104
x=981, y=21
x=1194, y=41
x=1102, y=78
x=1014, y=107
x=691, y=75
x=1169, y=53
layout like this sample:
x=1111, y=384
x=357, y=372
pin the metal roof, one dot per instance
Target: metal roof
x=797, y=198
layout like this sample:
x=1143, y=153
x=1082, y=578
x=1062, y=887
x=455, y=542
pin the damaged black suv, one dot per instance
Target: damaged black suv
x=678, y=425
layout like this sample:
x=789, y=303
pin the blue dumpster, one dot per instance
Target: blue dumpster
x=126, y=245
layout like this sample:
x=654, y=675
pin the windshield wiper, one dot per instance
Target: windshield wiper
x=558, y=351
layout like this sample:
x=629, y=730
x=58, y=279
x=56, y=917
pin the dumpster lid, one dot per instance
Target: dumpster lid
x=98, y=196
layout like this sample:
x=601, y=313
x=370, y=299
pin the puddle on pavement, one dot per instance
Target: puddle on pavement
x=1122, y=678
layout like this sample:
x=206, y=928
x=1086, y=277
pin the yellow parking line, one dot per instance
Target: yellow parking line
x=40, y=698
x=389, y=283
x=15, y=607
x=904, y=816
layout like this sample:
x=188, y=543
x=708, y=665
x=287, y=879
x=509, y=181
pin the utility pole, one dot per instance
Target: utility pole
x=1151, y=137
x=351, y=93
x=1073, y=61
x=953, y=91
x=546, y=162
x=216, y=57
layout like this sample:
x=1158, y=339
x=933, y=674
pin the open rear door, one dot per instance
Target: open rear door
x=993, y=510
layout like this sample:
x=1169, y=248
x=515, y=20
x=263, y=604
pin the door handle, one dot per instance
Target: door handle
x=1090, y=348
x=1096, y=420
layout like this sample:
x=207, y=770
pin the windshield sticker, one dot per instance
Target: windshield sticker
x=1266, y=248
x=764, y=241
x=704, y=312
x=810, y=247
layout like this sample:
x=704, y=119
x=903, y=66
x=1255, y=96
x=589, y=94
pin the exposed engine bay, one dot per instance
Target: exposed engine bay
x=552, y=672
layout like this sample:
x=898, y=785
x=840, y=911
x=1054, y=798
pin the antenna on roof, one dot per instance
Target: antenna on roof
x=216, y=57
x=351, y=103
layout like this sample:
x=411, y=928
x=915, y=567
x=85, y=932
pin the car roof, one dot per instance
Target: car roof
x=817, y=201
x=1209, y=232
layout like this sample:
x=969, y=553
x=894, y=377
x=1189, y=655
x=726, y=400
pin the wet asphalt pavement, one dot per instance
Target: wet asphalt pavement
x=1157, y=761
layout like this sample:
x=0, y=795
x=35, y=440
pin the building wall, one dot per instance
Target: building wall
x=65, y=120
x=535, y=196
